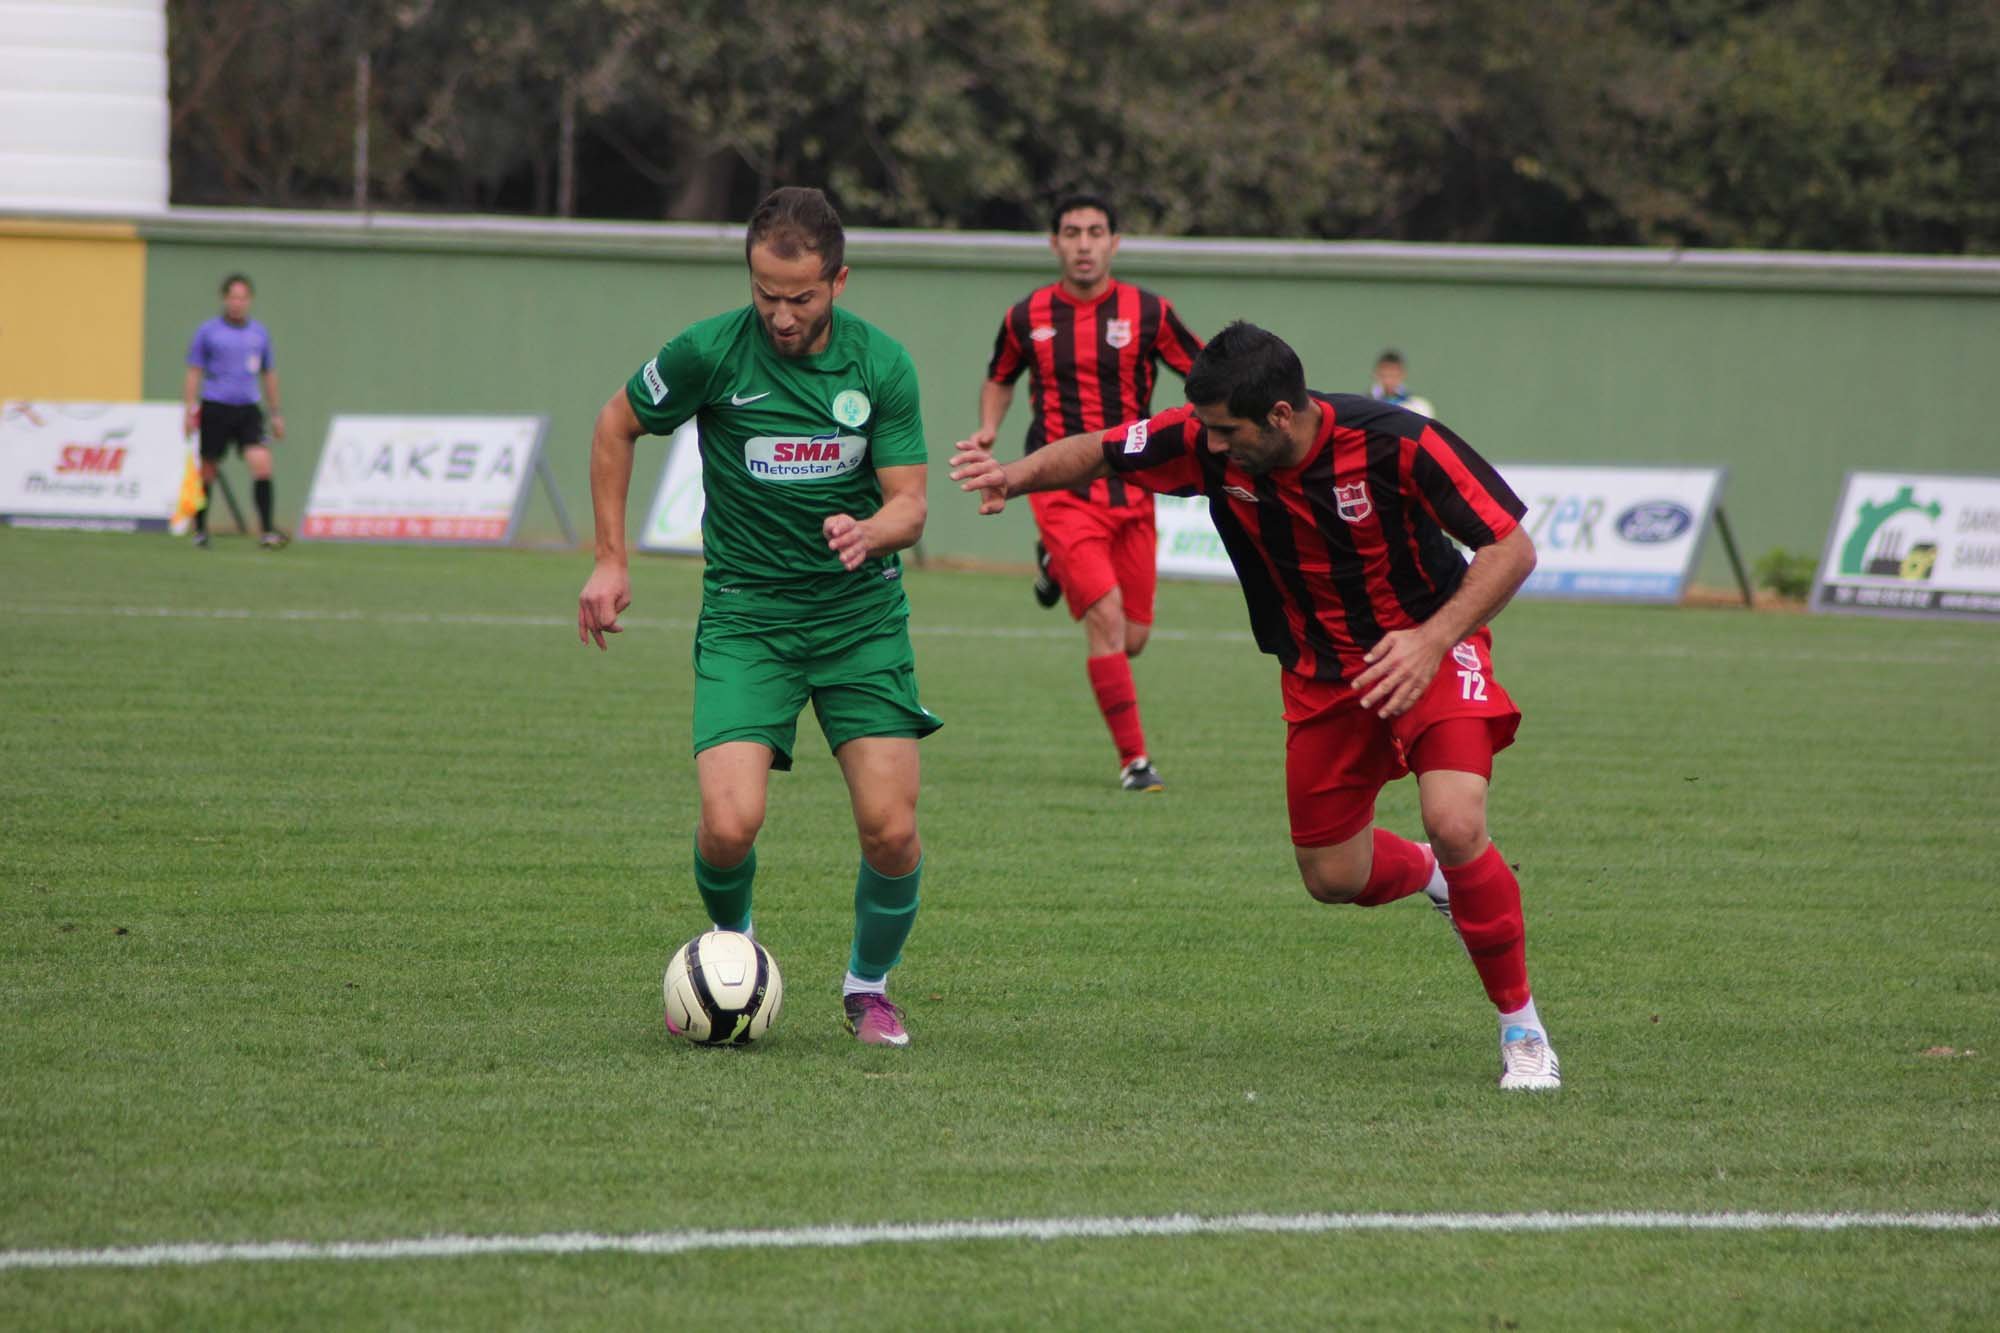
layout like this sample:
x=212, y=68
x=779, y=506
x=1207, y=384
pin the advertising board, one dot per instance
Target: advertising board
x=106, y=467
x=1913, y=544
x=462, y=480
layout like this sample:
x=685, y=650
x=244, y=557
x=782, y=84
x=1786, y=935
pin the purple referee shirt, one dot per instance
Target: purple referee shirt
x=231, y=357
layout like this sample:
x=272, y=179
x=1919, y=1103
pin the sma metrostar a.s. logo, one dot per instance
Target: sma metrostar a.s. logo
x=791, y=458
x=1881, y=547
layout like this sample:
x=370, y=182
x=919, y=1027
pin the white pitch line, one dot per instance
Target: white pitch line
x=517, y=621
x=930, y=1233
x=919, y=629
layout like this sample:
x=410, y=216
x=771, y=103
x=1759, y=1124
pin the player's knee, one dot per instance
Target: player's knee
x=728, y=836
x=1105, y=634
x=1330, y=884
x=891, y=845
x=1136, y=637
x=1457, y=835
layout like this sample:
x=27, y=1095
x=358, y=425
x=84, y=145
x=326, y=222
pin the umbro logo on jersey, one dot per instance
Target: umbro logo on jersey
x=1247, y=497
x=740, y=400
x=1043, y=332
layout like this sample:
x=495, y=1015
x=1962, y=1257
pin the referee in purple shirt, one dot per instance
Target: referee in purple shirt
x=227, y=359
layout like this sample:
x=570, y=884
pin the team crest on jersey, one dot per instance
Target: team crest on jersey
x=851, y=407
x=1043, y=332
x=1352, y=502
x=1466, y=656
x=1118, y=332
x=1237, y=492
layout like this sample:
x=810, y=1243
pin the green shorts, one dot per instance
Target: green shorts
x=752, y=677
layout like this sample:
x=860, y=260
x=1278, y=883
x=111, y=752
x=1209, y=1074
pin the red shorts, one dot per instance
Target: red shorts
x=1094, y=548
x=1339, y=756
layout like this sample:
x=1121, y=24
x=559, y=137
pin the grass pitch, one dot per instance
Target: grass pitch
x=335, y=887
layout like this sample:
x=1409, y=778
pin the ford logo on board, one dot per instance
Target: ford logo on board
x=1654, y=521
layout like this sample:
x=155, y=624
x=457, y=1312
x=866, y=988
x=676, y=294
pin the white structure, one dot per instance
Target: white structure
x=83, y=106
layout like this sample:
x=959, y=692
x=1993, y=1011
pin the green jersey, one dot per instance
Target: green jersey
x=786, y=442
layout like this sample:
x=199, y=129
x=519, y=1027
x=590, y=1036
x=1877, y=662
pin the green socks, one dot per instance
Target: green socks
x=885, y=907
x=726, y=893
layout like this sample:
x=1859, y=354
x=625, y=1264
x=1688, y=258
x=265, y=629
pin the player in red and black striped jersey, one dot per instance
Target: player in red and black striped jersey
x=1092, y=347
x=1338, y=513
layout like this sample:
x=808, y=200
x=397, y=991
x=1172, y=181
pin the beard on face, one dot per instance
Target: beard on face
x=1265, y=456
x=808, y=335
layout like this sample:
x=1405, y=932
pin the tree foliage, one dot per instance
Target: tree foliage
x=1824, y=124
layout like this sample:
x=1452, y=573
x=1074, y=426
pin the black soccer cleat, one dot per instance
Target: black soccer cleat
x=1141, y=776
x=1047, y=591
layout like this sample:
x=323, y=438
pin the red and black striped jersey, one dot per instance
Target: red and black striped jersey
x=1353, y=542
x=1091, y=364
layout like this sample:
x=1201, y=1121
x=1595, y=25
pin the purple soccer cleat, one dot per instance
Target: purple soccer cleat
x=874, y=1021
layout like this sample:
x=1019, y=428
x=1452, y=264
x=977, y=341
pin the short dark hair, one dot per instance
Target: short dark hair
x=1069, y=203
x=1390, y=357
x=795, y=220
x=235, y=278
x=1248, y=370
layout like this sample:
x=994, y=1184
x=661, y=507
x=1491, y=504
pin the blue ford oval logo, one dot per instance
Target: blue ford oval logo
x=1654, y=521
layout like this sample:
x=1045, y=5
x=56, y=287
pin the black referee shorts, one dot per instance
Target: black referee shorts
x=224, y=424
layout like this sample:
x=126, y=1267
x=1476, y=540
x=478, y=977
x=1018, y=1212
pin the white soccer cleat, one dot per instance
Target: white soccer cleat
x=1527, y=1062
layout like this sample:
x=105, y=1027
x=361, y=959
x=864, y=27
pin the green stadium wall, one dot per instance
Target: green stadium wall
x=1786, y=369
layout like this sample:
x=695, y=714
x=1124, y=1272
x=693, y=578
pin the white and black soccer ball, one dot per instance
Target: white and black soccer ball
x=723, y=989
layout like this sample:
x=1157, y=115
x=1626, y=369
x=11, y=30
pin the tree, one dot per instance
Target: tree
x=1677, y=122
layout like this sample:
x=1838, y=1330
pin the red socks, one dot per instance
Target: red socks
x=1118, y=700
x=1400, y=869
x=1486, y=905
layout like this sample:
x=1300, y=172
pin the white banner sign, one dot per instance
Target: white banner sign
x=1623, y=533
x=674, y=522
x=1599, y=532
x=1908, y=543
x=114, y=467
x=425, y=479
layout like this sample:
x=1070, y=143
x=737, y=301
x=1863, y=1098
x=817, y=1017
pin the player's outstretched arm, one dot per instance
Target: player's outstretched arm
x=609, y=588
x=898, y=524
x=1070, y=461
x=1403, y=662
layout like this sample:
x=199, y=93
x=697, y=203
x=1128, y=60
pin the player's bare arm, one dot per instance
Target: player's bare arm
x=1070, y=461
x=608, y=591
x=1403, y=662
x=994, y=400
x=271, y=401
x=898, y=524
x=191, y=401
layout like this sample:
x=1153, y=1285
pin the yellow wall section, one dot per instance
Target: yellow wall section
x=72, y=311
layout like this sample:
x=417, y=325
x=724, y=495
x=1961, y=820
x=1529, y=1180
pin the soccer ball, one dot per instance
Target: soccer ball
x=722, y=989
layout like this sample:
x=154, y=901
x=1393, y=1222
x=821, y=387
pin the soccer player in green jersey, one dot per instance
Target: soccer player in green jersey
x=812, y=455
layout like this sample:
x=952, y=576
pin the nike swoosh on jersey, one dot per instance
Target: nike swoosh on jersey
x=738, y=400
